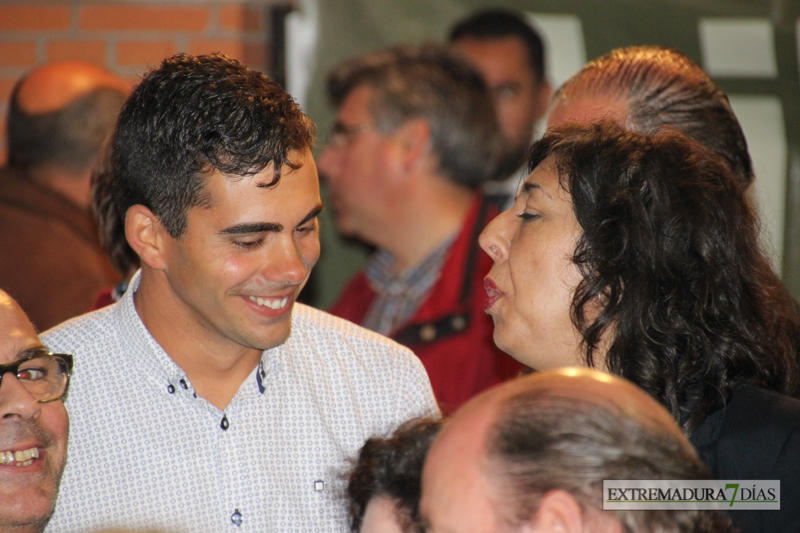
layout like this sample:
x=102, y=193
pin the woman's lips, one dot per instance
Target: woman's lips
x=492, y=293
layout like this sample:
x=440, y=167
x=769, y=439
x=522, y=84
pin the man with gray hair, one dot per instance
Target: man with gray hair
x=533, y=454
x=59, y=115
x=646, y=88
x=414, y=140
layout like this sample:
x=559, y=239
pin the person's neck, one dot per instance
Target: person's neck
x=432, y=217
x=216, y=368
x=75, y=187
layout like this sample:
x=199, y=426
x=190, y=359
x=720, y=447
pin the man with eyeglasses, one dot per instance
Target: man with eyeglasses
x=33, y=422
x=210, y=400
x=414, y=140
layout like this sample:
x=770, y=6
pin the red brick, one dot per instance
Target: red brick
x=17, y=54
x=144, y=53
x=254, y=55
x=241, y=18
x=94, y=51
x=34, y=18
x=136, y=17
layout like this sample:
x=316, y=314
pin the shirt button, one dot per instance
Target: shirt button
x=237, y=517
x=171, y=388
x=183, y=384
x=224, y=424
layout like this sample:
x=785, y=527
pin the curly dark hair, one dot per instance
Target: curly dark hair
x=191, y=116
x=690, y=305
x=392, y=467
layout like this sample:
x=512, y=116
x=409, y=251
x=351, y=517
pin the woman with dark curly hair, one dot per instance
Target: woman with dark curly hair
x=640, y=255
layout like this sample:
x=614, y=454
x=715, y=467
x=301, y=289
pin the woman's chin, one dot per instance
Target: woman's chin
x=514, y=350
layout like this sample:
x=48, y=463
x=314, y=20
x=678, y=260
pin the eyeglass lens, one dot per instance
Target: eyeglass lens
x=44, y=377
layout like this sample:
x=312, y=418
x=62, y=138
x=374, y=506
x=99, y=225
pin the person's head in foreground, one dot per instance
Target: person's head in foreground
x=33, y=422
x=532, y=454
x=384, y=486
x=510, y=56
x=645, y=88
x=639, y=255
x=214, y=174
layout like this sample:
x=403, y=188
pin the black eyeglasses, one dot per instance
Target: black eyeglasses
x=44, y=375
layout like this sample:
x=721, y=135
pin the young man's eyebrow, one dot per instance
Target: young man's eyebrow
x=271, y=227
x=252, y=227
x=314, y=213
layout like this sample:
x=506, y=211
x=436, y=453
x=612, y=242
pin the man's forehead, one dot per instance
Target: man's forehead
x=465, y=435
x=357, y=103
x=16, y=331
x=266, y=178
x=504, y=51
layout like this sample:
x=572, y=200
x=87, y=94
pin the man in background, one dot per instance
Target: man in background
x=532, y=455
x=414, y=140
x=509, y=54
x=33, y=423
x=58, y=117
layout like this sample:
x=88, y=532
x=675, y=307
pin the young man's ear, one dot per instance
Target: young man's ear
x=146, y=235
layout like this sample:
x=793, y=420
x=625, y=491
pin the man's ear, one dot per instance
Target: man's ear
x=558, y=512
x=146, y=235
x=414, y=136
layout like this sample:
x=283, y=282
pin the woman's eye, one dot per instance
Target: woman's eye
x=528, y=216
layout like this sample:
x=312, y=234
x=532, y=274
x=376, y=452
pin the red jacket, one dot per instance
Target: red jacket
x=450, y=333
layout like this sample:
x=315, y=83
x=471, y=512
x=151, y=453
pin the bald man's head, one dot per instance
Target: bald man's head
x=59, y=115
x=536, y=451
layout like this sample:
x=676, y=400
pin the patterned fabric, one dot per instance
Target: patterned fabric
x=398, y=297
x=146, y=452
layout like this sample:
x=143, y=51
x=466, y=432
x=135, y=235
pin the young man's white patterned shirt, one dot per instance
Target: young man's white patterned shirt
x=146, y=452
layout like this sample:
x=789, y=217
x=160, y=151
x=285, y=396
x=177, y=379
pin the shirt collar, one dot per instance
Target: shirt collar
x=159, y=366
x=416, y=282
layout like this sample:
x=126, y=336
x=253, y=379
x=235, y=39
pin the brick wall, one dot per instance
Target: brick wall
x=126, y=36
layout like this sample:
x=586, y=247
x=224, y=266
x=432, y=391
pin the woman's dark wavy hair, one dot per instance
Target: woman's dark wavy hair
x=392, y=467
x=690, y=306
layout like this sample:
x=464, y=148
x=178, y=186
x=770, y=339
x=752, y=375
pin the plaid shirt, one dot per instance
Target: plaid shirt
x=398, y=297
